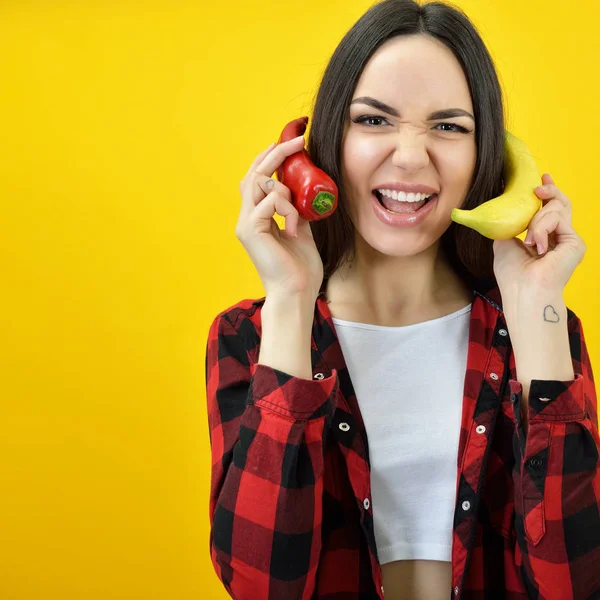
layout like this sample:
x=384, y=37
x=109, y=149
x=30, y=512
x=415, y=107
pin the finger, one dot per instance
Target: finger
x=275, y=159
x=552, y=223
x=274, y=203
x=553, y=205
x=244, y=183
x=546, y=225
x=549, y=192
x=260, y=158
x=265, y=185
x=261, y=186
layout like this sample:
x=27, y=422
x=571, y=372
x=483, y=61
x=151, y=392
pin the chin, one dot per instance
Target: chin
x=397, y=246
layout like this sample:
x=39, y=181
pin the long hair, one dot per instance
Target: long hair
x=469, y=253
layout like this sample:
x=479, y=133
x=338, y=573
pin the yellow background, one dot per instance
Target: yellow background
x=125, y=129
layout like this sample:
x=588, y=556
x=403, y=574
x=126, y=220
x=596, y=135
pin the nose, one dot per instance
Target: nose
x=410, y=151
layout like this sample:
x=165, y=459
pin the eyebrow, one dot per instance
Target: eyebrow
x=446, y=113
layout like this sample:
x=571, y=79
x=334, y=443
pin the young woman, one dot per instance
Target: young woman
x=411, y=407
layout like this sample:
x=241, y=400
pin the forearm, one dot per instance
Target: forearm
x=286, y=335
x=537, y=324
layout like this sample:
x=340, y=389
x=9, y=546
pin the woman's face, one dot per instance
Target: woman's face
x=414, y=76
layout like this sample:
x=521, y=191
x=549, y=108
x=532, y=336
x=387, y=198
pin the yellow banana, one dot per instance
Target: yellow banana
x=509, y=214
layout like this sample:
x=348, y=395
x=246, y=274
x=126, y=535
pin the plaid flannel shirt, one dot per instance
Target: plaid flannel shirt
x=290, y=497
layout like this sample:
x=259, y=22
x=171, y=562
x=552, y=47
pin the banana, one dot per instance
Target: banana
x=509, y=214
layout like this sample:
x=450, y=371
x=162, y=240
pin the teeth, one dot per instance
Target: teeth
x=403, y=196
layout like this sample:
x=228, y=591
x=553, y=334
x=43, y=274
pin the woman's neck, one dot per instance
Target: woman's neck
x=395, y=291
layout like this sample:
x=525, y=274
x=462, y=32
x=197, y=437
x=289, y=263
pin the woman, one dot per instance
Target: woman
x=411, y=407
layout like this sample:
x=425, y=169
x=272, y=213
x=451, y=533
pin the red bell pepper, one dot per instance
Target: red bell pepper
x=314, y=193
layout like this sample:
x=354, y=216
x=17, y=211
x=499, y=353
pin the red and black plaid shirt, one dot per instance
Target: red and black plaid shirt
x=290, y=500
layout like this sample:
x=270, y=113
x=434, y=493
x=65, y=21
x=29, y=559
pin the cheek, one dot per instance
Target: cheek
x=457, y=168
x=360, y=153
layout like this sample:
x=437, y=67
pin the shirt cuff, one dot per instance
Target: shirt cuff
x=557, y=401
x=290, y=396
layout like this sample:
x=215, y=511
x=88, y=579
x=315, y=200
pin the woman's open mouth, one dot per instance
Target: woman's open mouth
x=401, y=206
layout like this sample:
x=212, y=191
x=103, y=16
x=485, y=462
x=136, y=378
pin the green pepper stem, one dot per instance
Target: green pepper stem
x=323, y=202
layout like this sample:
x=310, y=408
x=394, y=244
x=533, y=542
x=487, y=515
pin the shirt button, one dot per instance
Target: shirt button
x=344, y=426
x=503, y=332
x=480, y=429
x=366, y=503
x=494, y=376
x=319, y=376
x=513, y=398
x=466, y=505
x=456, y=591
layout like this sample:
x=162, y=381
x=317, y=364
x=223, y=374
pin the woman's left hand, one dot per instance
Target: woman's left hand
x=518, y=267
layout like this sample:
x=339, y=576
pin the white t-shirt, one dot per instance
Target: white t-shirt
x=409, y=384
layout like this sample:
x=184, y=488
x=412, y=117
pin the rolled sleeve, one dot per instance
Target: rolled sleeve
x=557, y=401
x=293, y=397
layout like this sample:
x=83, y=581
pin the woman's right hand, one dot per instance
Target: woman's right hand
x=287, y=265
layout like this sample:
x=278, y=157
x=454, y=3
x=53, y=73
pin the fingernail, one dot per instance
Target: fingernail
x=540, y=248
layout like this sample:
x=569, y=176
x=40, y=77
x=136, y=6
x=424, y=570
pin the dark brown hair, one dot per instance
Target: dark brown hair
x=469, y=253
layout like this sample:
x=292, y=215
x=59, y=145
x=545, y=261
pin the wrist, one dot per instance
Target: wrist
x=291, y=316
x=523, y=305
x=281, y=305
x=538, y=326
